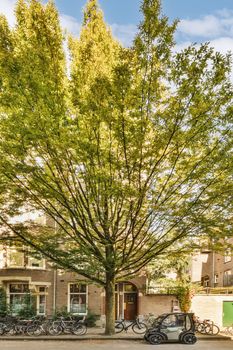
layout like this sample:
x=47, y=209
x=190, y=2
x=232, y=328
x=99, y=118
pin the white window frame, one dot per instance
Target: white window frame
x=38, y=294
x=9, y=293
x=227, y=272
x=68, y=301
x=25, y=263
x=14, y=249
x=227, y=255
x=35, y=267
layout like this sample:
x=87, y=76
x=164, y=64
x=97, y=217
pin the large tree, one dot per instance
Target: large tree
x=126, y=149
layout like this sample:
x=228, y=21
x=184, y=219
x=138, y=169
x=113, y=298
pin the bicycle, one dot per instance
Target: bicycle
x=149, y=319
x=15, y=326
x=68, y=326
x=137, y=326
x=207, y=327
x=39, y=326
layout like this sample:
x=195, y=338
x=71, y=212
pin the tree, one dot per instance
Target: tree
x=127, y=151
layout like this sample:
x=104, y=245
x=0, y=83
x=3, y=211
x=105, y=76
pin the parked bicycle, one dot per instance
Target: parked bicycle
x=63, y=325
x=137, y=326
x=40, y=325
x=7, y=325
x=206, y=327
x=14, y=326
x=149, y=319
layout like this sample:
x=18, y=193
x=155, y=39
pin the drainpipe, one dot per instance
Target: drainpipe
x=213, y=268
x=55, y=278
x=54, y=290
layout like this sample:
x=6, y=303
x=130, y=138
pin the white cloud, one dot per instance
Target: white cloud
x=70, y=24
x=224, y=44
x=209, y=26
x=124, y=33
x=7, y=9
x=181, y=46
x=216, y=28
x=67, y=22
x=225, y=13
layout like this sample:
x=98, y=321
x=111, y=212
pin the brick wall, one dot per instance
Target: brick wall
x=156, y=304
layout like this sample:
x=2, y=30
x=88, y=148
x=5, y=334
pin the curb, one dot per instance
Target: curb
x=97, y=337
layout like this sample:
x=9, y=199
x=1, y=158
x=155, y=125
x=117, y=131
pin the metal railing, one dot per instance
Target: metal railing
x=216, y=290
x=162, y=290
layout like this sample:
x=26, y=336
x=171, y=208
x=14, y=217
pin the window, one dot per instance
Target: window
x=227, y=278
x=41, y=305
x=2, y=256
x=41, y=300
x=17, y=296
x=188, y=324
x=216, y=278
x=129, y=288
x=206, y=281
x=77, y=298
x=227, y=273
x=35, y=261
x=227, y=256
x=170, y=321
x=15, y=257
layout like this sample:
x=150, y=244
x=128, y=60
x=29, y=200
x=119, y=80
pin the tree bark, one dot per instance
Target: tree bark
x=110, y=304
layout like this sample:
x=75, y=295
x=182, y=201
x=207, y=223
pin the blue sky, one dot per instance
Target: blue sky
x=127, y=11
x=200, y=20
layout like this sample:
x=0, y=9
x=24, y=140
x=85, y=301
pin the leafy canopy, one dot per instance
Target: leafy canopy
x=128, y=151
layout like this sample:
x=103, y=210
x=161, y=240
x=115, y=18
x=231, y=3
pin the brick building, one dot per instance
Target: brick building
x=214, y=272
x=212, y=269
x=55, y=289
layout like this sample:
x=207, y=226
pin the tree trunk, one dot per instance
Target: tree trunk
x=110, y=304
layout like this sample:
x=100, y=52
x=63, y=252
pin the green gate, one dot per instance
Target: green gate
x=227, y=313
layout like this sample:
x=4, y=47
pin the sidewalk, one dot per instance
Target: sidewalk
x=98, y=334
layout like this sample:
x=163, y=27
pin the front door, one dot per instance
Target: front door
x=130, y=306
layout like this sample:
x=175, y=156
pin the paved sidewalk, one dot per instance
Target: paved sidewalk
x=98, y=334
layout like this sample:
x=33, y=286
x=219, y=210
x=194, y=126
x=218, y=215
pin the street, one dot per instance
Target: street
x=111, y=344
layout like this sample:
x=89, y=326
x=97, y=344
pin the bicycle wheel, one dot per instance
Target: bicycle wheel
x=139, y=328
x=55, y=330
x=11, y=331
x=79, y=329
x=201, y=328
x=34, y=330
x=212, y=329
x=2, y=329
x=119, y=327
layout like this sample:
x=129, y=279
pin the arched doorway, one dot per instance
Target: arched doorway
x=126, y=301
